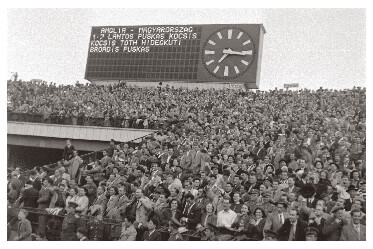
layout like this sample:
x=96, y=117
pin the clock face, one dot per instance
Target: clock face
x=228, y=53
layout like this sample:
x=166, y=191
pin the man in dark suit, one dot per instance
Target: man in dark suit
x=352, y=190
x=68, y=150
x=304, y=179
x=35, y=179
x=191, y=213
x=152, y=234
x=30, y=195
x=293, y=228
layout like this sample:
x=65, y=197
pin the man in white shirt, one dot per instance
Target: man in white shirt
x=226, y=217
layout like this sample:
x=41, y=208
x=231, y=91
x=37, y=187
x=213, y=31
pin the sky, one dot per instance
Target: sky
x=313, y=47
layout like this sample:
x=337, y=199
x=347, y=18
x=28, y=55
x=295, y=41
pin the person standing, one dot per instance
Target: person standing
x=24, y=227
x=68, y=151
x=333, y=226
x=191, y=213
x=144, y=206
x=354, y=231
x=277, y=219
x=45, y=196
x=74, y=164
x=293, y=228
x=226, y=217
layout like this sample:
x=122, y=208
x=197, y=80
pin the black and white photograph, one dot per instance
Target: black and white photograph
x=230, y=124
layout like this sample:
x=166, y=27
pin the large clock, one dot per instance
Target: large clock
x=228, y=53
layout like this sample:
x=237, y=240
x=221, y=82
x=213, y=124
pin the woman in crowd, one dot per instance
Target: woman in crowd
x=72, y=197
x=257, y=224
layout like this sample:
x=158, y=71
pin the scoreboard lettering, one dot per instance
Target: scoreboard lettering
x=174, y=53
x=140, y=40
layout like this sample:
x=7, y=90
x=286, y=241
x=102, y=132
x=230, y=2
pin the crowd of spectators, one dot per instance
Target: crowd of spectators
x=224, y=164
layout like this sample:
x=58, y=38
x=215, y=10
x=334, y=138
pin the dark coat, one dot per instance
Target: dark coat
x=193, y=215
x=320, y=236
x=70, y=224
x=284, y=231
x=155, y=236
x=256, y=232
x=30, y=197
x=68, y=152
x=332, y=230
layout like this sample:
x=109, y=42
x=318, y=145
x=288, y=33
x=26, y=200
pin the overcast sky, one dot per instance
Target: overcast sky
x=312, y=47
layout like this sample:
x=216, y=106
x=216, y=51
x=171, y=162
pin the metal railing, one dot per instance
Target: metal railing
x=84, y=121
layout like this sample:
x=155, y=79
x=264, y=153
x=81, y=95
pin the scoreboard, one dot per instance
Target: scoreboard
x=229, y=53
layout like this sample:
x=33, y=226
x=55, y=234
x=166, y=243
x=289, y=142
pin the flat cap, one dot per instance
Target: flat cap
x=254, y=191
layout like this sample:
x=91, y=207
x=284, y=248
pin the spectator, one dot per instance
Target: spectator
x=70, y=223
x=355, y=230
x=24, y=227
x=128, y=230
x=68, y=151
x=226, y=217
x=82, y=201
x=81, y=234
x=293, y=228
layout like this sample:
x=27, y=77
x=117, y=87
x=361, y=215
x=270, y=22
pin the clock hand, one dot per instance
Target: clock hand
x=223, y=57
x=230, y=51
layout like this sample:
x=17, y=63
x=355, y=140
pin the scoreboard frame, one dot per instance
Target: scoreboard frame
x=164, y=57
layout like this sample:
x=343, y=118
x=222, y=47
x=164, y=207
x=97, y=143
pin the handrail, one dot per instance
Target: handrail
x=83, y=121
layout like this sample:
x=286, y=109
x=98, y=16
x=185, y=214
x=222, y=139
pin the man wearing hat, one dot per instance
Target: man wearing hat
x=277, y=219
x=352, y=190
x=266, y=205
x=70, y=223
x=311, y=233
x=333, y=226
x=270, y=235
